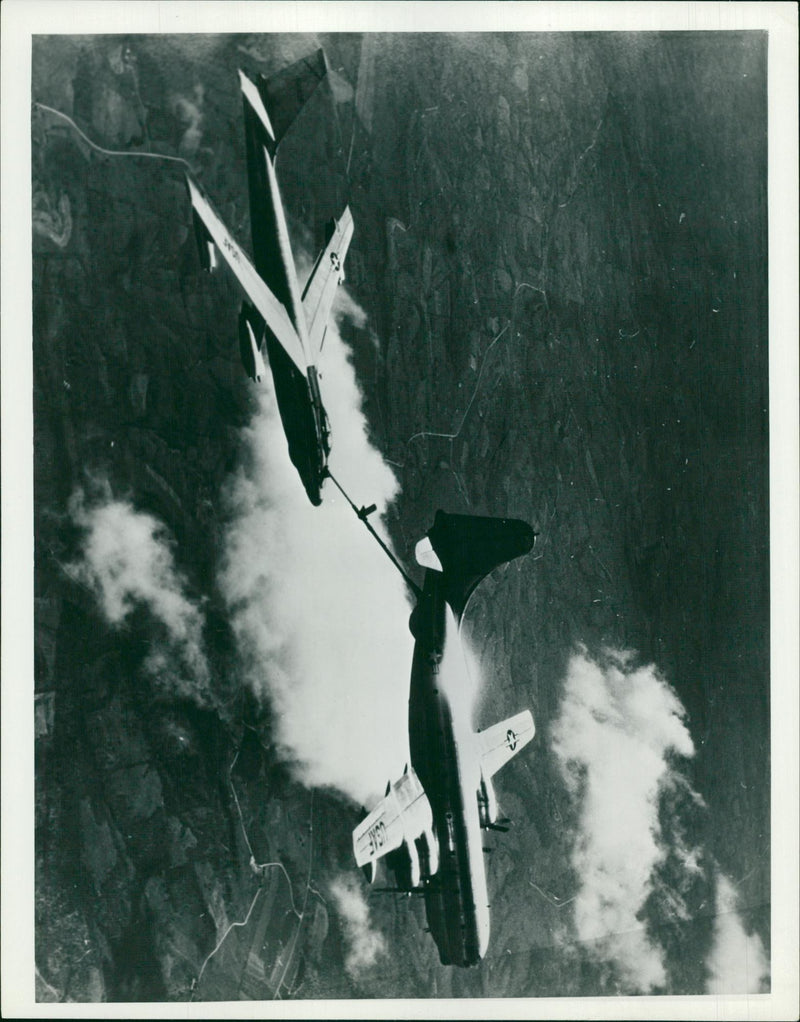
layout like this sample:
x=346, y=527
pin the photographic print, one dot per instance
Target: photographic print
x=401, y=513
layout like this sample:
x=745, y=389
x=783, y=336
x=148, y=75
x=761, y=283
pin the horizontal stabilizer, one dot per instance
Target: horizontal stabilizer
x=425, y=555
x=468, y=547
x=497, y=744
x=278, y=100
x=252, y=94
x=265, y=302
x=327, y=274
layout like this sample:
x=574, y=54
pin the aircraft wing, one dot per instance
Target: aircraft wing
x=328, y=272
x=403, y=815
x=271, y=310
x=497, y=744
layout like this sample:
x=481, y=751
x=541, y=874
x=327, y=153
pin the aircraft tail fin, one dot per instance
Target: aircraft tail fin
x=277, y=101
x=468, y=547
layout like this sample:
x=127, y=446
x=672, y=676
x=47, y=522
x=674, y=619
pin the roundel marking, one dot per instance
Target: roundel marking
x=511, y=739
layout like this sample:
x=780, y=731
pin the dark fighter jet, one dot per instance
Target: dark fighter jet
x=275, y=316
x=429, y=823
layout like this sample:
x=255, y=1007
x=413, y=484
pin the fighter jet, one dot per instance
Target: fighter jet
x=429, y=824
x=275, y=316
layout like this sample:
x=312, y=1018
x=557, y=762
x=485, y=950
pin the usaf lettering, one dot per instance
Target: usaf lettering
x=377, y=837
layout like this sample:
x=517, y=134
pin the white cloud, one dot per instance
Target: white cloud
x=364, y=943
x=127, y=560
x=190, y=113
x=736, y=963
x=618, y=740
x=320, y=614
x=616, y=732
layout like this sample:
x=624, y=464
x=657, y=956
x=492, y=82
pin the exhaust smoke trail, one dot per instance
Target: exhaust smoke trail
x=320, y=613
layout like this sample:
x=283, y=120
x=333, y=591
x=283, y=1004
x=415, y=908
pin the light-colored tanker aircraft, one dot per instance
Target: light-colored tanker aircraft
x=275, y=315
x=429, y=823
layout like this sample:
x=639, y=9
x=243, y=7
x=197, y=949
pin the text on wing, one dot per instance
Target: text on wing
x=376, y=836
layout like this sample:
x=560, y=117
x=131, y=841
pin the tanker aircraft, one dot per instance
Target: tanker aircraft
x=275, y=315
x=429, y=823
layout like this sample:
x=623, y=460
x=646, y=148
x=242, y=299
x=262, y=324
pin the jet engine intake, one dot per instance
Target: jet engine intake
x=206, y=249
x=251, y=333
x=429, y=853
x=415, y=871
x=487, y=803
x=405, y=865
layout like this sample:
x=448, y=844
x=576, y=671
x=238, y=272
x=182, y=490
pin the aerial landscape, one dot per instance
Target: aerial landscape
x=541, y=260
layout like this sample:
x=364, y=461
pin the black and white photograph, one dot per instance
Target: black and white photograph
x=400, y=484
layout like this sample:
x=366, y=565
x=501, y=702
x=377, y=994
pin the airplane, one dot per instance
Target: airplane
x=428, y=825
x=275, y=316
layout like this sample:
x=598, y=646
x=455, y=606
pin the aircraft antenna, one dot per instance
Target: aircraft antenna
x=363, y=515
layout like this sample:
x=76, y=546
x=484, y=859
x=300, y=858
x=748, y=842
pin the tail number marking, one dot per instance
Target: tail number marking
x=377, y=837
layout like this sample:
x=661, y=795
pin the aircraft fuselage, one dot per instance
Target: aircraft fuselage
x=442, y=754
x=299, y=402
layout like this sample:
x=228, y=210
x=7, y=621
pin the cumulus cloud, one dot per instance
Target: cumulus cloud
x=364, y=943
x=189, y=112
x=127, y=561
x=320, y=614
x=736, y=963
x=622, y=745
x=618, y=731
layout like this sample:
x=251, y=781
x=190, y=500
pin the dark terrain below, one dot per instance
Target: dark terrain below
x=578, y=224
